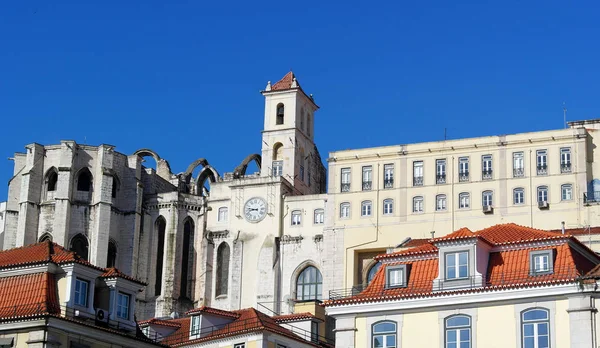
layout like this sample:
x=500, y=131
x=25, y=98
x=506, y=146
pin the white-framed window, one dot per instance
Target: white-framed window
x=519, y=195
x=223, y=214
x=440, y=202
x=542, y=162
x=395, y=276
x=367, y=178
x=440, y=171
x=535, y=328
x=123, y=306
x=301, y=173
x=418, y=173
x=345, y=210
x=542, y=193
x=277, y=168
x=541, y=262
x=566, y=192
x=388, y=206
x=366, y=207
x=457, y=265
x=309, y=284
x=418, y=204
x=463, y=169
x=458, y=331
x=565, y=160
x=384, y=334
x=464, y=200
x=345, y=174
x=296, y=217
x=388, y=175
x=487, y=198
x=319, y=216
x=81, y=292
x=486, y=165
x=195, y=326
x=518, y=164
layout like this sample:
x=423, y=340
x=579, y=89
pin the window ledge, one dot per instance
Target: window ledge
x=221, y=297
x=541, y=273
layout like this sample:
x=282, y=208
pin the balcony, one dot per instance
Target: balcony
x=367, y=185
x=486, y=174
x=440, y=179
x=591, y=197
x=418, y=181
x=565, y=168
x=345, y=187
x=388, y=183
x=518, y=172
x=463, y=176
x=542, y=170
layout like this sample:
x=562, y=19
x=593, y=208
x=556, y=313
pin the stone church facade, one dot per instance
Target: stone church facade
x=196, y=238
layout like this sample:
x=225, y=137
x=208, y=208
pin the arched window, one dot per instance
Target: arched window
x=519, y=195
x=535, y=328
x=115, y=186
x=366, y=208
x=319, y=216
x=345, y=210
x=46, y=237
x=418, y=204
x=84, y=180
x=79, y=245
x=542, y=192
x=296, y=217
x=566, y=192
x=309, y=284
x=111, y=260
x=160, y=227
x=487, y=199
x=464, y=200
x=384, y=335
x=277, y=165
x=280, y=113
x=51, y=181
x=388, y=206
x=440, y=202
x=372, y=271
x=222, y=269
x=187, y=263
x=458, y=331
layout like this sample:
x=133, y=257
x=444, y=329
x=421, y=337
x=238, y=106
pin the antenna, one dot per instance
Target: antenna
x=565, y=114
x=445, y=134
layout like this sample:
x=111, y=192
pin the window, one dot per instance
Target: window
x=458, y=331
x=542, y=162
x=84, y=180
x=440, y=202
x=277, y=168
x=280, y=114
x=222, y=280
x=395, y=276
x=296, y=217
x=440, y=171
x=345, y=179
x=487, y=198
x=384, y=334
x=309, y=284
x=535, y=329
x=418, y=204
x=418, y=173
x=51, y=180
x=388, y=206
x=366, y=208
x=79, y=245
x=388, y=175
x=542, y=194
x=314, y=331
x=187, y=260
x=486, y=165
x=518, y=165
x=367, y=178
x=457, y=265
x=319, y=216
x=123, y=306
x=239, y=345
x=565, y=160
x=541, y=262
x=301, y=173
x=566, y=192
x=195, y=327
x=519, y=196
x=160, y=227
x=111, y=259
x=115, y=187
x=463, y=169
x=81, y=292
x=345, y=210
x=223, y=214
x=464, y=201
x=372, y=271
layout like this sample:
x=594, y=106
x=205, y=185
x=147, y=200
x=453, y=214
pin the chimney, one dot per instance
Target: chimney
x=432, y=234
x=563, y=227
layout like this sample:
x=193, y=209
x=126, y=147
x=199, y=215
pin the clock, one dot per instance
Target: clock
x=255, y=209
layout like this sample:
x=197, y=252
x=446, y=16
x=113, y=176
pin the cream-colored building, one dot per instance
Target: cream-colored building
x=503, y=286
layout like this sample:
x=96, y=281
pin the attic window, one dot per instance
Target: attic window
x=395, y=276
x=541, y=262
x=195, y=327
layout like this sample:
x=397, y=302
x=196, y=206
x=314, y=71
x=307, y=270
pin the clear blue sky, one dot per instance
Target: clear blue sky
x=183, y=77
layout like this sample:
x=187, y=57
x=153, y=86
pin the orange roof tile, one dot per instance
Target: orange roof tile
x=28, y=295
x=286, y=318
x=115, y=273
x=160, y=322
x=213, y=311
x=415, y=242
x=512, y=233
x=463, y=233
x=284, y=83
x=421, y=249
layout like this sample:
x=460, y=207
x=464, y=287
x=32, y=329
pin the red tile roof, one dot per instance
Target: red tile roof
x=284, y=83
x=115, y=273
x=463, y=233
x=160, y=322
x=286, y=318
x=213, y=311
x=28, y=295
x=512, y=233
x=415, y=242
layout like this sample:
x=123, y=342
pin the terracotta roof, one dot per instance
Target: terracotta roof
x=115, y=273
x=286, y=318
x=463, y=233
x=421, y=249
x=415, y=242
x=160, y=322
x=213, y=311
x=284, y=83
x=28, y=295
x=512, y=233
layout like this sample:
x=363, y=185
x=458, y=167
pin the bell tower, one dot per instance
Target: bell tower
x=288, y=148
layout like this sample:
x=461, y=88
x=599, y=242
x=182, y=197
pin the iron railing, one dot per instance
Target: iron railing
x=440, y=179
x=417, y=181
x=518, y=172
x=345, y=187
x=388, y=183
x=367, y=185
x=463, y=176
x=486, y=174
x=565, y=168
x=542, y=169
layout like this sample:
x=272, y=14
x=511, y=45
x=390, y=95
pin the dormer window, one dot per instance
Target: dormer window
x=541, y=262
x=81, y=292
x=195, y=327
x=123, y=306
x=395, y=276
x=457, y=265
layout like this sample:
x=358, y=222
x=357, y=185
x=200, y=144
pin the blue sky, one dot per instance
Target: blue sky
x=183, y=77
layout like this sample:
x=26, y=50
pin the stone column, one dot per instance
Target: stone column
x=345, y=330
x=102, y=200
x=31, y=189
x=582, y=314
x=62, y=196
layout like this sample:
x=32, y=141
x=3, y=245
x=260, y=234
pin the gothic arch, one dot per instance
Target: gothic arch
x=84, y=180
x=80, y=245
x=297, y=271
x=207, y=173
x=45, y=237
x=277, y=149
x=163, y=168
x=199, y=162
x=240, y=170
x=148, y=153
x=112, y=252
x=187, y=259
x=160, y=227
x=222, y=274
x=50, y=183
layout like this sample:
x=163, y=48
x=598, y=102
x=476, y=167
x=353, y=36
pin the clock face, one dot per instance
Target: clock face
x=255, y=209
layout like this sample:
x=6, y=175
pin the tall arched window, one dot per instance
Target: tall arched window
x=309, y=285
x=277, y=164
x=519, y=195
x=222, y=269
x=160, y=227
x=366, y=207
x=187, y=263
x=458, y=331
x=487, y=199
x=388, y=206
x=84, y=180
x=51, y=181
x=280, y=113
x=111, y=260
x=535, y=328
x=542, y=192
x=79, y=245
x=384, y=335
x=115, y=186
